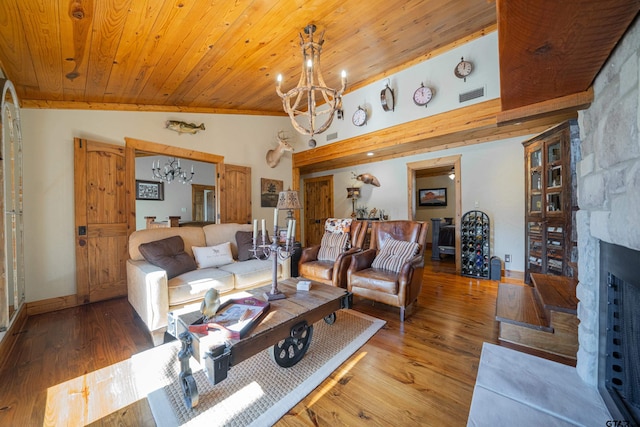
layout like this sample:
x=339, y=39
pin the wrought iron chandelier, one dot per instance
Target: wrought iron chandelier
x=311, y=86
x=172, y=172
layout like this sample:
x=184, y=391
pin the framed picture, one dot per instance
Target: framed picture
x=282, y=236
x=149, y=190
x=269, y=191
x=432, y=197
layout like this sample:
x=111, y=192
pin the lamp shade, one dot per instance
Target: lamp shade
x=288, y=200
x=353, y=193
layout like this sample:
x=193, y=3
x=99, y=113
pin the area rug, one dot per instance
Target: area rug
x=258, y=392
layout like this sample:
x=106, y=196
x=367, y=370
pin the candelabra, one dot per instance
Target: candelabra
x=276, y=253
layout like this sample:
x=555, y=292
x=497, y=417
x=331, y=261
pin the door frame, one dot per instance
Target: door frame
x=453, y=161
x=132, y=145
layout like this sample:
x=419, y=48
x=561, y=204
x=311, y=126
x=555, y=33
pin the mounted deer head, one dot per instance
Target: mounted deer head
x=274, y=155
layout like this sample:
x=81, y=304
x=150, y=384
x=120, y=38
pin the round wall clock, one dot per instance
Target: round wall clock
x=387, y=99
x=463, y=69
x=422, y=95
x=359, y=116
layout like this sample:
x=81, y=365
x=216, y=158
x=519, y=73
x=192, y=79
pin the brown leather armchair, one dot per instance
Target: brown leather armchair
x=400, y=289
x=332, y=272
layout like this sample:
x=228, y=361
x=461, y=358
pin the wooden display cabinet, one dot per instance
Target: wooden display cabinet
x=550, y=201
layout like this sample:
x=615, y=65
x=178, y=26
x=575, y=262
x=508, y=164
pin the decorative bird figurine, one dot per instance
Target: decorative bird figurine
x=367, y=178
x=210, y=304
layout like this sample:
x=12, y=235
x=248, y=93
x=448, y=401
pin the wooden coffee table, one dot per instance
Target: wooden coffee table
x=286, y=328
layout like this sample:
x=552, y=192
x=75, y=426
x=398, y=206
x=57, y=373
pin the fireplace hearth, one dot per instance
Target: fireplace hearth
x=619, y=360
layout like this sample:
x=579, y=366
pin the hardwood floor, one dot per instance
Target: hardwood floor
x=421, y=372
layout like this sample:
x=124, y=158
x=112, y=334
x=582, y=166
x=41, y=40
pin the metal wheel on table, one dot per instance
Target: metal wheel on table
x=330, y=319
x=292, y=349
x=189, y=390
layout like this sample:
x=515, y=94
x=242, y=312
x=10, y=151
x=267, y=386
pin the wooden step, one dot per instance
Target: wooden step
x=541, y=318
x=517, y=305
x=557, y=293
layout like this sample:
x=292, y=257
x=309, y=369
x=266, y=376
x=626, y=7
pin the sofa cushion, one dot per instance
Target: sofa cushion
x=251, y=273
x=169, y=255
x=192, y=286
x=332, y=245
x=244, y=240
x=317, y=269
x=394, y=254
x=214, y=234
x=213, y=256
x=192, y=236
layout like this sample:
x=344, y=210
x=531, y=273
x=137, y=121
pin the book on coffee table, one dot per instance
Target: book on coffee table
x=234, y=318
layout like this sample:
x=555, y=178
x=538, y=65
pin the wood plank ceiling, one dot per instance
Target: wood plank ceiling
x=223, y=56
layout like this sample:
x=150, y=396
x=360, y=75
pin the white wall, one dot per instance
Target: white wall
x=48, y=177
x=177, y=196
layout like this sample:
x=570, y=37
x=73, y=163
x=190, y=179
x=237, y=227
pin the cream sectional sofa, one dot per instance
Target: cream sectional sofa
x=152, y=294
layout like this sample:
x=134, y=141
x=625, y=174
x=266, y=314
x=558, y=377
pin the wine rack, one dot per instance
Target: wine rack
x=475, y=244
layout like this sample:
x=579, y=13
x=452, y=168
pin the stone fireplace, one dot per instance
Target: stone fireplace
x=608, y=195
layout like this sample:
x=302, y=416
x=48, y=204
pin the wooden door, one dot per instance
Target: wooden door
x=101, y=220
x=318, y=206
x=203, y=201
x=235, y=194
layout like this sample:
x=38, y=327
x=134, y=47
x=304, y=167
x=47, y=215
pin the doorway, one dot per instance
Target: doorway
x=318, y=206
x=440, y=167
x=135, y=146
x=203, y=199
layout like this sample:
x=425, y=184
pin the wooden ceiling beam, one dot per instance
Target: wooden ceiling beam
x=467, y=126
x=574, y=102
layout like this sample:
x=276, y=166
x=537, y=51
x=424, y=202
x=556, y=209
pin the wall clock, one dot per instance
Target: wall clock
x=387, y=98
x=422, y=95
x=359, y=116
x=463, y=69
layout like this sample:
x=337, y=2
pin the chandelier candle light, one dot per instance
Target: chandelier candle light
x=310, y=83
x=171, y=171
x=273, y=250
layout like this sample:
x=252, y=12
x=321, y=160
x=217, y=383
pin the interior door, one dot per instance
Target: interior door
x=101, y=220
x=318, y=206
x=235, y=194
x=203, y=199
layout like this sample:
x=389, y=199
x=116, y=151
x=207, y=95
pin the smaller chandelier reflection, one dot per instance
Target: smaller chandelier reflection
x=172, y=172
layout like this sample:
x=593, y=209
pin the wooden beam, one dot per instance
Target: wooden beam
x=573, y=102
x=466, y=126
x=114, y=106
x=161, y=149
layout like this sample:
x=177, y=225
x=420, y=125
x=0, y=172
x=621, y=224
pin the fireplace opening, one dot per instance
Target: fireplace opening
x=619, y=363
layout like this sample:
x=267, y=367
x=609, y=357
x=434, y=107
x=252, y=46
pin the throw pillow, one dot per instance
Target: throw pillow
x=169, y=255
x=394, y=254
x=332, y=245
x=245, y=244
x=213, y=256
x=337, y=225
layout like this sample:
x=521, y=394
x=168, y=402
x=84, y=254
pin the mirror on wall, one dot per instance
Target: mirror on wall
x=192, y=203
x=12, y=284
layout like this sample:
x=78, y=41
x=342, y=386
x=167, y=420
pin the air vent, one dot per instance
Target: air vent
x=473, y=94
x=332, y=136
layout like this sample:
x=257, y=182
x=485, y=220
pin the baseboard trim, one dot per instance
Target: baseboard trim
x=51, y=304
x=12, y=334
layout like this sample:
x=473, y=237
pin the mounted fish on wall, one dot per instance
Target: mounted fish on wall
x=183, y=127
x=367, y=178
